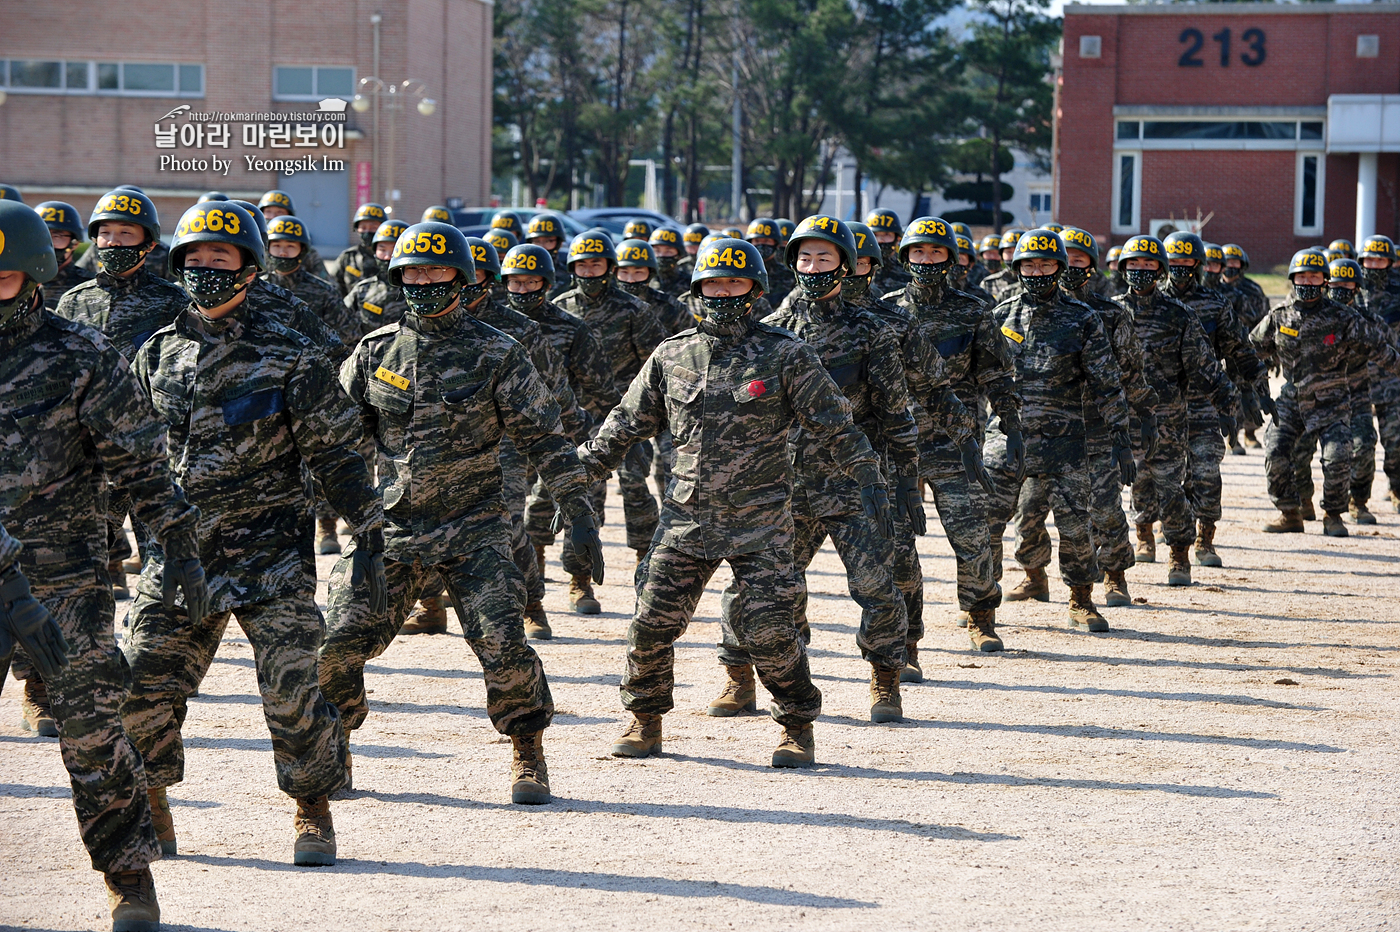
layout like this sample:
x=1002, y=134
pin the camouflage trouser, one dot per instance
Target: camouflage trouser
x=1158, y=492
x=539, y=512
x=670, y=583
x=1112, y=546
x=1363, y=459
x=638, y=506
x=1388, y=418
x=489, y=596
x=884, y=625
x=1068, y=494
x=1205, y=449
x=1282, y=438
x=104, y=768
x=908, y=575
x=964, y=517
x=308, y=744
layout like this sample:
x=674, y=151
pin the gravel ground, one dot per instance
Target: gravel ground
x=1225, y=759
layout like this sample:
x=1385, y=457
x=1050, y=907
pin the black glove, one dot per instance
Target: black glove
x=184, y=572
x=367, y=565
x=973, y=465
x=1149, y=434
x=1250, y=408
x=1266, y=404
x=24, y=620
x=1227, y=425
x=911, y=503
x=583, y=534
x=1123, y=453
x=876, y=502
x=1016, y=452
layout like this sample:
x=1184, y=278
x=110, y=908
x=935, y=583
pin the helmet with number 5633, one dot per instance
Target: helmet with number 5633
x=217, y=222
x=934, y=231
x=432, y=243
x=729, y=258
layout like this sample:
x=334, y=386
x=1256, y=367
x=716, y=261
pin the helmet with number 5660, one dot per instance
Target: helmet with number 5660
x=432, y=243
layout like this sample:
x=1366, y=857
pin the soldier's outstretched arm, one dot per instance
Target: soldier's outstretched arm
x=530, y=417
x=1263, y=339
x=1204, y=369
x=24, y=620
x=640, y=415
x=327, y=427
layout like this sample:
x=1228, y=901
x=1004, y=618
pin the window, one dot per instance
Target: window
x=305, y=82
x=1368, y=46
x=1220, y=134
x=1090, y=46
x=1218, y=129
x=139, y=79
x=1129, y=129
x=1308, y=194
x=1127, y=188
x=1040, y=203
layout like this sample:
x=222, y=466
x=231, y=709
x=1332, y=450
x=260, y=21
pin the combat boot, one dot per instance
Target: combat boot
x=961, y=621
x=528, y=773
x=1332, y=526
x=885, y=704
x=539, y=558
x=641, y=555
x=1361, y=514
x=132, y=896
x=327, y=541
x=118, y=574
x=162, y=819
x=1251, y=441
x=1146, y=547
x=798, y=747
x=1036, y=586
x=429, y=617
x=1306, y=511
x=912, y=672
x=1235, y=447
x=37, y=712
x=1289, y=521
x=1115, y=589
x=132, y=565
x=982, y=630
x=1205, y=546
x=1082, y=610
x=315, y=845
x=642, y=737
x=1179, y=566
x=537, y=622
x=739, y=693
x=581, y=598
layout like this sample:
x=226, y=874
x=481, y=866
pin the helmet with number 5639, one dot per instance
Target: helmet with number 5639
x=729, y=258
x=827, y=229
x=432, y=243
x=529, y=259
x=217, y=222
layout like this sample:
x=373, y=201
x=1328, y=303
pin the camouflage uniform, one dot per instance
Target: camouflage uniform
x=980, y=368
x=1058, y=345
x=730, y=392
x=630, y=331
x=438, y=394
x=70, y=410
x=677, y=283
x=246, y=400
x=781, y=280
x=889, y=277
x=976, y=274
x=354, y=265
x=157, y=261
x=1177, y=354
x=1383, y=304
x=69, y=277
x=321, y=296
x=375, y=303
x=1001, y=285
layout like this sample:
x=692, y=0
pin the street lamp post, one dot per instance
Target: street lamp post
x=377, y=86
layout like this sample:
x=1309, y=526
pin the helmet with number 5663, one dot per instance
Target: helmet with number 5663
x=217, y=222
x=729, y=258
x=432, y=243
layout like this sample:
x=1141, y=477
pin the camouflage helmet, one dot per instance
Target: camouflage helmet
x=25, y=244
x=1040, y=244
x=437, y=214
x=637, y=228
x=1378, y=247
x=546, y=223
x=1183, y=244
x=729, y=257
x=825, y=228
x=866, y=245
x=389, y=231
x=288, y=228
x=485, y=257
x=217, y=222
x=208, y=196
x=1344, y=270
x=1009, y=238
x=785, y=228
x=9, y=192
x=61, y=217
x=635, y=253
x=529, y=259
x=1052, y=227
x=1145, y=247
x=1311, y=259
x=762, y=227
x=962, y=229
x=258, y=219
x=503, y=240
x=934, y=231
x=369, y=211
x=275, y=198
x=989, y=243
x=665, y=236
x=1235, y=251
x=509, y=221
x=128, y=207
x=592, y=244
x=432, y=244
x=1113, y=253
x=1344, y=247
x=695, y=233
x=1083, y=240
x=884, y=220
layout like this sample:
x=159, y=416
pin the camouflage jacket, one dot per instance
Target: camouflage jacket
x=1176, y=352
x=889, y=278
x=157, y=261
x=677, y=284
x=71, y=410
x=1253, y=304
x=375, y=303
x=981, y=294
x=9, y=549
x=625, y=326
x=546, y=360
x=313, y=264
x=976, y=274
x=729, y=395
x=863, y=357
x=293, y=313
x=245, y=400
x=69, y=277
x=781, y=281
x=1315, y=349
x=1227, y=339
x=1001, y=285
x=354, y=265
x=673, y=315
x=1062, y=358
x=437, y=395
x=125, y=310
x=321, y=296
x=589, y=368
x=1127, y=352
x=1382, y=304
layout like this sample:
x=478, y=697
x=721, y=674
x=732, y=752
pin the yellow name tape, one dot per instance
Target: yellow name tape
x=373, y=308
x=393, y=378
x=1288, y=330
x=1012, y=334
x=353, y=271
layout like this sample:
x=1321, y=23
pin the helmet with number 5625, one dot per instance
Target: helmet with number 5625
x=217, y=222
x=729, y=258
x=432, y=243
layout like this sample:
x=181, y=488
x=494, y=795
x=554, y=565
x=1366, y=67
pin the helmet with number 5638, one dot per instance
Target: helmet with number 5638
x=827, y=229
x=729, y=258
x=529, y=259
x=432, y=243
x=217, y=222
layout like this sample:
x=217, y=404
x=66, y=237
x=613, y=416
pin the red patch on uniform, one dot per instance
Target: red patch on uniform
x=756, y=388
x=1330, y=339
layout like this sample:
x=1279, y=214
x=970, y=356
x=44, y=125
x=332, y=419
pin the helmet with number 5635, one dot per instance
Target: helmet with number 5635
x=729, y=258
x=217, y=222
x=432, y=243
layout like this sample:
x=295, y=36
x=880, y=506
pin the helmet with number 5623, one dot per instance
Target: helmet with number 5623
x=217, y=222
x=432, y=243
x=729, y=258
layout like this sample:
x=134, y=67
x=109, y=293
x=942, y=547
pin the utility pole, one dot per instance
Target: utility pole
x=736, y=159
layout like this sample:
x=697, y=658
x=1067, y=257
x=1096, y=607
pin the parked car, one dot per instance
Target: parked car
x=476, y=221
x=614, y=219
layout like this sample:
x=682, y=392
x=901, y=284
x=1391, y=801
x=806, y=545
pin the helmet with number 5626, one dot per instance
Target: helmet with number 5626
x=729, y=258
x=432, y=243
x=529, y=259
x=217, y=222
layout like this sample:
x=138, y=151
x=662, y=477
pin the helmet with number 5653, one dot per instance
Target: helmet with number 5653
x=217, y=222
x=432, y=243
x=729, y=258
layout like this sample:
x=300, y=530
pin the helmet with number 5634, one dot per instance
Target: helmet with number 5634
x=217, y=222
x=1040, y=244
x=827, y=229
x=529, y=259
x=432, y=243
x=729, y=258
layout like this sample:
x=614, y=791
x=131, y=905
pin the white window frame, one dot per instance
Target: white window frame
x=1118, y=156
x=315, y=82
x=1320, y=213
x=1218, y=145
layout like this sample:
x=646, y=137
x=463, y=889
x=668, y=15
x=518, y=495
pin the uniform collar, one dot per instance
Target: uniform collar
x=436, y=325
x=821, y=308
x=25, y=323
x=927, y=294
x=226, y=329
x=127, y=285
x=711, y=327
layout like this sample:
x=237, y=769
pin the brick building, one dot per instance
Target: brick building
x=1281, y=120
x=86, y=83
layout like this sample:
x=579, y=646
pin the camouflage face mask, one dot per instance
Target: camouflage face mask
x=667, y=264
x=856, y=286
x=527, y=301
x=1307, y=294
x=284, y=265
x=432, y=299
x=367, y=239
x=816, y=284
x=381, y=267
x=210, y=288
x=728, y=309
x=1074, y=278
x=593, y=287
x=1182, y=276
x=1039, y=286
x=929, y=274
x=1377, y=277
x=11, y=309
x=635, y=288
x=120, y=259
x=1141, y=280
x=1342, y=295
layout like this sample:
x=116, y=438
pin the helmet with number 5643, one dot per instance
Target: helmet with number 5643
x=432, y=243
x=729, y=258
